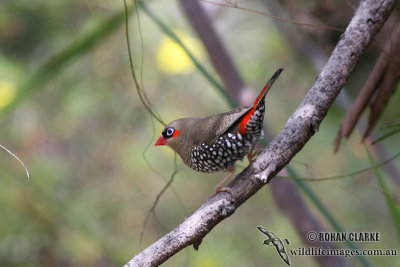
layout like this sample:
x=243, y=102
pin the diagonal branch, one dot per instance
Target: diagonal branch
x=285, y=192
x=367, y=21
x=318, y=57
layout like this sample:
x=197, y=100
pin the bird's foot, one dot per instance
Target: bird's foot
x=253, y=154
x=220, y=189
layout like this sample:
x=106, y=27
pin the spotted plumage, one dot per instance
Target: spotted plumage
x=222, y=152
x=214, y=143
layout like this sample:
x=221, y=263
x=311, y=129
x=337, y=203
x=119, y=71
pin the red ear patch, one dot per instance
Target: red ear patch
x=175, y=134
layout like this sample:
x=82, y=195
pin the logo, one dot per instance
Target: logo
x=273, y=240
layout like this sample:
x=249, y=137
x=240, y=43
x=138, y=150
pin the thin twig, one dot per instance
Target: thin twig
x=341, y=176
x=236, y=6
x=143, y=98
x=301, y=126
x=159, y=195
x=15, y=156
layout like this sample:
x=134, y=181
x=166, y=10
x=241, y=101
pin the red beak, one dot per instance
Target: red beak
x=161, y=141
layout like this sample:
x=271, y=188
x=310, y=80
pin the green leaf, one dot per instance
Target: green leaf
x=77, y=48
x=326, y=213
x=393, y=208
x=393, y=132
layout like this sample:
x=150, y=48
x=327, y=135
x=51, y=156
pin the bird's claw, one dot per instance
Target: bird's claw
x=252, y=155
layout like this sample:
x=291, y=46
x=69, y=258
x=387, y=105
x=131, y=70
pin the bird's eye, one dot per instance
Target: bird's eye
x=169, y=132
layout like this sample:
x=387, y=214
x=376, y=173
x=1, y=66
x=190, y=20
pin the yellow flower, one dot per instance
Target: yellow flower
x=173, y=59
x=8, y=93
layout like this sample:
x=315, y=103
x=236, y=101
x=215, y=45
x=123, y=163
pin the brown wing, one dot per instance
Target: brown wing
x=214, y=126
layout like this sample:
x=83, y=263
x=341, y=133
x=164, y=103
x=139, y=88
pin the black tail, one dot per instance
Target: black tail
x=268, y=85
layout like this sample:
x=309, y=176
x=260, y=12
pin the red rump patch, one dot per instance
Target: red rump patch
x=246, y=118
x=243, y=122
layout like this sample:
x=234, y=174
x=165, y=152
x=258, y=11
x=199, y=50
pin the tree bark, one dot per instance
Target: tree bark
x=285, y=192
x=366, y=22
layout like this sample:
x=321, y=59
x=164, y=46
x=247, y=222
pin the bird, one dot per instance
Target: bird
x=216, y=142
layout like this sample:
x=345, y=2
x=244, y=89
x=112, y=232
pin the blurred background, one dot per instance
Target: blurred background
x=70, y=111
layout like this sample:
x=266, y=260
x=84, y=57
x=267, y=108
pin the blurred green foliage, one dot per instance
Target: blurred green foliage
x=85, y=137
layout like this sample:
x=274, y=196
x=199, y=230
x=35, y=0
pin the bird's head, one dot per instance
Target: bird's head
x=175, y=134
